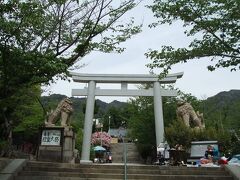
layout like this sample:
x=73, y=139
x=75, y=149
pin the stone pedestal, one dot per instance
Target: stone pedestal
x=56, y=144
x=48, y=153
x=68, y=145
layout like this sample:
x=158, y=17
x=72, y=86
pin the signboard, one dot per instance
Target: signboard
x=198, y=148
x=51, y=137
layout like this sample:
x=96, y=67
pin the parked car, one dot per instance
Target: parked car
x=235, y=160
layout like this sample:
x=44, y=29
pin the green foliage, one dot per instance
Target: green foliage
x=92, y=153
x=142, y=126
x=235, y=140
x=79, y=140
x=32, y=118
x=224, y=140
x=41, y=39
x=222, y=110
x=214, y=25
x=26, y=113
x=117, y=117
x=3, y=146
x=142, y=122
x=178, y=133
x=188, y=97
x=29, y=112
x=139, y=125
x=169, y=109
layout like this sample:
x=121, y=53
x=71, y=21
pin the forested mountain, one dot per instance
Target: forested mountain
x=223, y=109
x=221, y=112
x=79, y=104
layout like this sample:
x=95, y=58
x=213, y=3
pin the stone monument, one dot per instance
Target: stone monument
x=57, y=143
x=187, y=114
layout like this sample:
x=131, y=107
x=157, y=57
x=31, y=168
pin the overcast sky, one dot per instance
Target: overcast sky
x=196, y=80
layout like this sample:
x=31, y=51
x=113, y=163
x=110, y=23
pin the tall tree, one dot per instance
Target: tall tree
x=43, y=38
x=214, y=24
x=25, y=116
x=142, y=125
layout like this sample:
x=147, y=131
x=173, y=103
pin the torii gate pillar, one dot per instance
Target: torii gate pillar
x=92, y=91
x=88, y=122
x=158, y=113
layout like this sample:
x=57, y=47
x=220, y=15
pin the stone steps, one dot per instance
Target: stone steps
x=4, y=162
x=58, y=178
x=64, y=171
x=120, y=159
x=117, y=151
x=39, y=164
x=52, y=176
x=121, y=171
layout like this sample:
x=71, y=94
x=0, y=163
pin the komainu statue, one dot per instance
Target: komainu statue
x=62, y=112
x=186, y=113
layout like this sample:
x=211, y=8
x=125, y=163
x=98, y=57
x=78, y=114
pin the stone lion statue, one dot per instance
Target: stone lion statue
x=62, y=112
x=186, y=113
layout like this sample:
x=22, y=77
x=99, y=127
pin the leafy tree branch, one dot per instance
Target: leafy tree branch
x=43, y=38
x=213, y=24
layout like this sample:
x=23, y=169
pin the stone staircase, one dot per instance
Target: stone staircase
x=62, y=171
x=4, y=162
x=118, y=153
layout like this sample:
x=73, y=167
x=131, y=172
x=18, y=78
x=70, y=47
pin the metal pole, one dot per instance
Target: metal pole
x=109, y=124
x=125, y=160
x=101, y=135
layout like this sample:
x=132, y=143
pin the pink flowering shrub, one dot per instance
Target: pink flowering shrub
x=97, y=136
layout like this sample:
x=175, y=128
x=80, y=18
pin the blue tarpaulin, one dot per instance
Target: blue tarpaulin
x=99, y=148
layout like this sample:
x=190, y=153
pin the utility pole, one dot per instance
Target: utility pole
x=109, y=119
x=101, y=133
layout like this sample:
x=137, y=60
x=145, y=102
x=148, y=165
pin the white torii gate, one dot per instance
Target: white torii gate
x=124, y=80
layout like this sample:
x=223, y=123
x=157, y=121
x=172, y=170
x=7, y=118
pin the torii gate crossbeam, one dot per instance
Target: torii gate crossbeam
x=124, y=80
